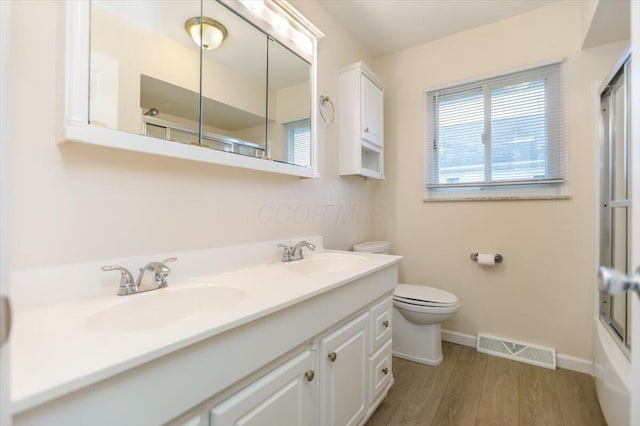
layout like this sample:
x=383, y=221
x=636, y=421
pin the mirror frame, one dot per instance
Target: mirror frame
x=75, y=126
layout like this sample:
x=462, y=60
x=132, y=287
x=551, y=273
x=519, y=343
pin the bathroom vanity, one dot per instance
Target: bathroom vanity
x=238, y=337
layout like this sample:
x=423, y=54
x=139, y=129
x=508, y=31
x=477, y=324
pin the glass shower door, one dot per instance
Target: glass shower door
x=615, y=205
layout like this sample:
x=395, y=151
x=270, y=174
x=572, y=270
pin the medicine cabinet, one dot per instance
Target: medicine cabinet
x=362, y=122
x=226, y=82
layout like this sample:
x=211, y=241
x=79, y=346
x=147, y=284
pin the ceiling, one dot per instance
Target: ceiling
x=387, y=26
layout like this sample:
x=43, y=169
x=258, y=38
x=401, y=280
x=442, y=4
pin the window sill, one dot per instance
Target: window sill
x=499, y=198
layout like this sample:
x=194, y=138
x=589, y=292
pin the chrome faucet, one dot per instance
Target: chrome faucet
x=291, y=254
x=151, y=277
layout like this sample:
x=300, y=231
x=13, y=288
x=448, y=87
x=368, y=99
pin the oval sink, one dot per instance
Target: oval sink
x=163, y=307
x=326, y=262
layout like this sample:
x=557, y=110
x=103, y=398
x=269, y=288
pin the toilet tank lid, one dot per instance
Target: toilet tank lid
x=425, y=294
x=372, y=246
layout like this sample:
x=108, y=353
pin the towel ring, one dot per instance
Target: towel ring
x=325, y=100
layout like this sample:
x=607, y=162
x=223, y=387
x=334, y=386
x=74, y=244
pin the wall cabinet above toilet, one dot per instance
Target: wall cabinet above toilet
x=361, y=122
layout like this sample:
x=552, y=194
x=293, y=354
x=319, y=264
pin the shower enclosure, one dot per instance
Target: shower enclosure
x=615, y=203
x=612, y=349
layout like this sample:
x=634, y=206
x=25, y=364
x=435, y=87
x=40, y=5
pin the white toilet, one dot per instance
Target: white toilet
x=417, y=313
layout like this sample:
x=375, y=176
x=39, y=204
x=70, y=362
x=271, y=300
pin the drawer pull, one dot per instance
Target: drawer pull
x=333, y=356
x=385, y=371
x=309, y=375
x=385, y=323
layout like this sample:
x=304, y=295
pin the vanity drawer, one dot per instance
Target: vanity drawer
x=379, y=372
x=380, y=324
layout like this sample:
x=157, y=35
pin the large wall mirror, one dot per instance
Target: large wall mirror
x=203, y=74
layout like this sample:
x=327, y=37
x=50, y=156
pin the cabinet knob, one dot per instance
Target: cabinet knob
x=366, y=129
x=385, y=371
x=309, y=375
x=385, y=323
x=333, y=356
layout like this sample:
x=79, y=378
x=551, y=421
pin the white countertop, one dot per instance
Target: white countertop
x=54, y=353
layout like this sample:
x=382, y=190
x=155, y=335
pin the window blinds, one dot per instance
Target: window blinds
x=299, y=137
x=502, y=131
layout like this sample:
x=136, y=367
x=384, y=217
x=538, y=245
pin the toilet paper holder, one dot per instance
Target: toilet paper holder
x=498, y=257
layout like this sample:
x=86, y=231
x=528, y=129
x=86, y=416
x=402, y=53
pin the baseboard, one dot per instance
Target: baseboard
x=460, y=338
x=568, y=362
x=416, y=359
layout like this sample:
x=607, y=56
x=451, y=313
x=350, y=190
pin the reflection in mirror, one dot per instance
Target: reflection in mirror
x=195, y=72
x=136, y=45
x=234, y=85
x=289, y=137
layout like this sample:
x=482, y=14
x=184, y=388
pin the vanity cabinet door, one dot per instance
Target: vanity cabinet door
x=282, y=397
x=372, y=112
x=343, y=361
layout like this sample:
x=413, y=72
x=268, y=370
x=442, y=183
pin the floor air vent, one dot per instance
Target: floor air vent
x=518, y=351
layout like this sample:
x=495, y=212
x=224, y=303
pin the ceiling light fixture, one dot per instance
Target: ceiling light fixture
x=206, y=32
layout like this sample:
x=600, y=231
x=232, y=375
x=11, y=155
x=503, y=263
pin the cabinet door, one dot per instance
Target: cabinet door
x=282, y=397
x=372, y=113
x=343, y=359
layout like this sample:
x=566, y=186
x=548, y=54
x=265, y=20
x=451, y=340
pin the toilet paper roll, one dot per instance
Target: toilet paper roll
x=486, y=259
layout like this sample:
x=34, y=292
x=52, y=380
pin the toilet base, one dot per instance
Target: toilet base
x=416, y=342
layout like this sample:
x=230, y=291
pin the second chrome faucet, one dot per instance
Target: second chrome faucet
x=293, y=253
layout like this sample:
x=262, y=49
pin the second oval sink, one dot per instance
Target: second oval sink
x=163, y=307
x=326, y=262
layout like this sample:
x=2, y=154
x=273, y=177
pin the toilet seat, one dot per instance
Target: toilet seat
x=419, y=295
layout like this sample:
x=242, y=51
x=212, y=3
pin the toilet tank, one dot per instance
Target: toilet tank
x=380, y=247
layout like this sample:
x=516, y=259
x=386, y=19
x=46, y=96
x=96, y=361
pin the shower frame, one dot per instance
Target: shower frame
x=615, y=202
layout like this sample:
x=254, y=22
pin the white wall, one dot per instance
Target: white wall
x=543, y=292
x=73, y=203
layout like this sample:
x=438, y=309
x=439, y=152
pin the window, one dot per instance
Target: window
x=502, y=137
x=299, y=142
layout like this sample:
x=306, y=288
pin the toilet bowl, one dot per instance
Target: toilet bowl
x=418, y=311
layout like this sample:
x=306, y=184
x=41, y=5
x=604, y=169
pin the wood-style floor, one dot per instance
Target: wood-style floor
x=475, y=389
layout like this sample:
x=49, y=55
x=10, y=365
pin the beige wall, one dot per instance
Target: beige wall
x=543, y=292
x=76, y=202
